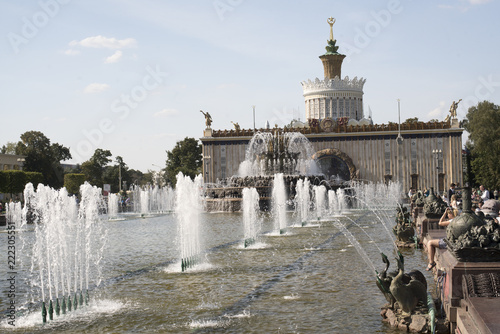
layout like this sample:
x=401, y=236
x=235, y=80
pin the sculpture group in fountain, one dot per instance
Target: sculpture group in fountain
x=471, y=238
x=434, y=206
x=407, y=289
x=403, y=230
x=274, y=152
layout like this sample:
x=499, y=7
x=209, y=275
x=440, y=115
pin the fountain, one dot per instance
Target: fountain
x=251, y=222
x=377, y=195
x=279, y=203
x=302, y=200
x=320, y=200
x=187, y=210
x=65, y=257
x=269, y=153
x=113, y=204
x=286, y=152
x=241, y=291
x=149, y=199
x=337, y=203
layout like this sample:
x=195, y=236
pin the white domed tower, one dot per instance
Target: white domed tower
x=333, y=97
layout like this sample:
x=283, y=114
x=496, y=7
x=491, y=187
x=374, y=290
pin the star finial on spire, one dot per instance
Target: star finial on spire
x=331, y=21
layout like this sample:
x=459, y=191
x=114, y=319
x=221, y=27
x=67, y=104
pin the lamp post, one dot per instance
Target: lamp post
x=253, y=107
x=120, y=178
x=206, y=160
x=399, y=141
x=437, y=154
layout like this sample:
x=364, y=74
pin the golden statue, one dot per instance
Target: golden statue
x=453, y=110
x=236, y=126
x=208, y=119
x=331, y=21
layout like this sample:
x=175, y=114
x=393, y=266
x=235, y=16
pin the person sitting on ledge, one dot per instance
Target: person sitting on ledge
x=445, y=220
x=491, y=207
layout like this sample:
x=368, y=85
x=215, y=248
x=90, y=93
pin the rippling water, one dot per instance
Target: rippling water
x=310, y=280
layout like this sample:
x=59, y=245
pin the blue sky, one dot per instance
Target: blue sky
x=131, y=76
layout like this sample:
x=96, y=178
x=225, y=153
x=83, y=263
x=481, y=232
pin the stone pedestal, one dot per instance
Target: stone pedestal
x=423, y=225
x=452, y=280
x=207, y=133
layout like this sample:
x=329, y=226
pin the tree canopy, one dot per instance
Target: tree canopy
x=94, y=167
x=9, y=148
x=483, y=124
x=185, y=157
x=112, y=174
x=43, y=157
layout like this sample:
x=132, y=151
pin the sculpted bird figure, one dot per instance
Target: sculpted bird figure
x=407, y=293
x=384, y=281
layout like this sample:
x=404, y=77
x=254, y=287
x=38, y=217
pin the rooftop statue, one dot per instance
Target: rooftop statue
x=453, y=110
x=208, y=119
x=236, y=126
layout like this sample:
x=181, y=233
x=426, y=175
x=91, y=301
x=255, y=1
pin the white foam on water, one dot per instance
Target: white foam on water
x=175, y=268
x=91, y=311
x=294, y=296
x=205, y=324
x=244, y=314
x=257, y=245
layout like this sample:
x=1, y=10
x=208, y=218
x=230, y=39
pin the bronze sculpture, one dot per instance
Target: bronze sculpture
x=208, y=119
x=407, y=294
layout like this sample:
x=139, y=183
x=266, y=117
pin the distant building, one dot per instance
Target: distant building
x=347, y=144
x=11, y=161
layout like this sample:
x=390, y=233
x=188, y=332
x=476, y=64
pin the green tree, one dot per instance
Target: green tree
x=12, y=181
x=73, y=181
x=43, y=157
x=9, y=148
x=94, y=167
x=34, y=177
x=112, y=175
x=411, y=120
x=483, y=124
x=185, y=157
x=136, y=177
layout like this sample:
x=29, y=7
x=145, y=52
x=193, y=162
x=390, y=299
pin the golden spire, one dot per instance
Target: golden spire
x=331, y=21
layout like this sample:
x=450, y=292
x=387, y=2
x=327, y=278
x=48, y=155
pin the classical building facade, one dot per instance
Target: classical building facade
x=347, y=145
x=11, y=161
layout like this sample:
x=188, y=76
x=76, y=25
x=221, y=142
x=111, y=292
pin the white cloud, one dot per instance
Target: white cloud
x=166, y=113
x=438, y=112
x=478, y=2
x=95, y=88
x=114, y=57
x=105, y=42
x=464, y=5
x=71, y=52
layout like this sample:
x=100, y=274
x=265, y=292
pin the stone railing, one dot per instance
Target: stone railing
x=318, y=85
x=316, y=129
